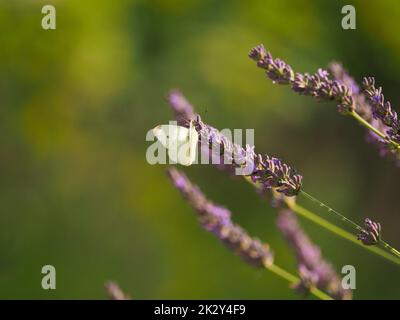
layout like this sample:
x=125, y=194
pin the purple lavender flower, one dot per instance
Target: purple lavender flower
x=382, y=109
x=340, y=74
x=268, y=171
x=342, y=89
x=115, y=292
x=217, y=219
x=183, y=109
x=365, y=110
x=317, y=85
x=362, y=107
x=371, y=234
x=308, y=280
x=313, y=269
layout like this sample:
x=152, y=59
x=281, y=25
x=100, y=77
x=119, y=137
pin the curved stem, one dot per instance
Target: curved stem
x=366, y=124
x=293, y=279
x=330, y=210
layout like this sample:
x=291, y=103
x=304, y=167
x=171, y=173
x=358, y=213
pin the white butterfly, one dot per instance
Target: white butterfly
x=181, y=142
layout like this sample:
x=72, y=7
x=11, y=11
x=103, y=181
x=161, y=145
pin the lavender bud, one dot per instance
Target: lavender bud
x=371, y=234
x=343, y=94
x=382, y=110
x=258, y=53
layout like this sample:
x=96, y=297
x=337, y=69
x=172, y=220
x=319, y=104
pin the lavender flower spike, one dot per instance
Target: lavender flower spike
x=371, y=234
x=313, y=269
x=183, y=109
x=217, y=220
x=268, y=171
x=317, y=85
x=365, y=110
x=340, y=74
x=115, y=292
x=380, y=121
x=382, y=109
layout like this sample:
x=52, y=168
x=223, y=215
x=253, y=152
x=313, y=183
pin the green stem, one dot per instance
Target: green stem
x=366, y=124
x=390, y=248
x=293, y=279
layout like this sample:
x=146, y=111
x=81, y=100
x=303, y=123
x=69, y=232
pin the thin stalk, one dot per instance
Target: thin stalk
x=330, y=210
x=293, y=279
x=367, y=125
x=390, y=248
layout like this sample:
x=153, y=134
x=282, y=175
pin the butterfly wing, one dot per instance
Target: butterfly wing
x=178, y=150
x=168, y=133
x=175, y=139
x=193, y=140
x=187, y=146
x=160, y=133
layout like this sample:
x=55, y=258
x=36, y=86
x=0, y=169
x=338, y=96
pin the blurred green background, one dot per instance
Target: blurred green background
x=76, y=103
